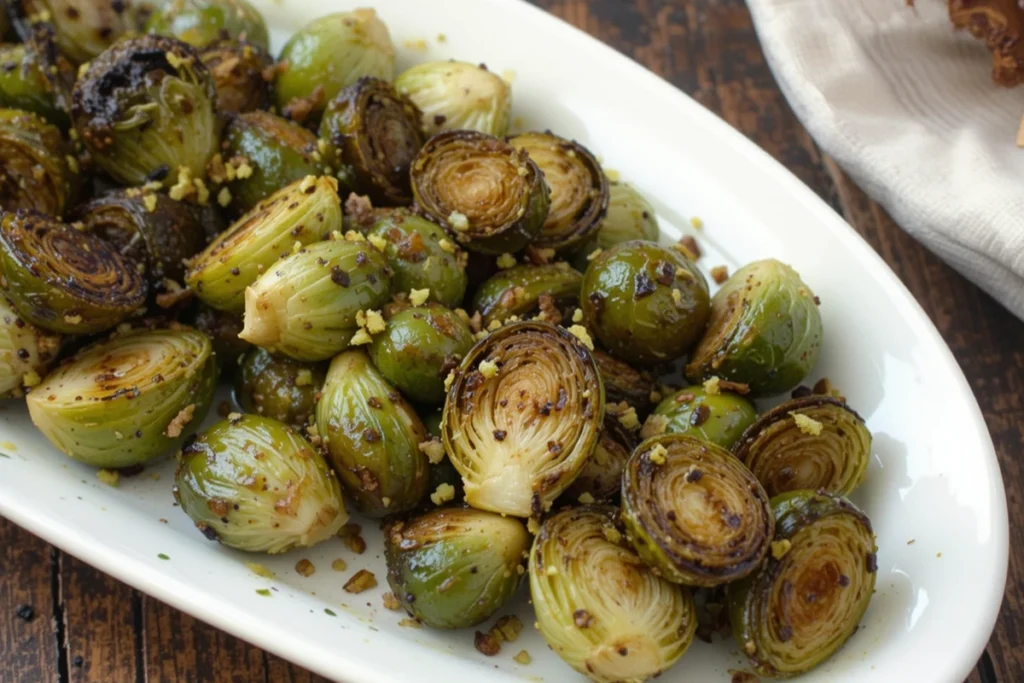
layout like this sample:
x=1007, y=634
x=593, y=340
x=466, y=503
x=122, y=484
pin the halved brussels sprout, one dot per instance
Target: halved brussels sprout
x=623, y=382
x=63, y=279
x=646, y=303
x=804, y=603
x=146, y=110
x=26, y=351
x=34, y=170
x=765, y=331
x=329, y=54
x=522, y=417
x=223, y=330
x=308, y=304
x=579, y=188
x=373, y=135
x=518, y=291
x=485, y=192
x=237, y=72
x=455, y=567
x=306, y=211
x=27, y=83
x=201, y=22
x=816, y=442
x=598, y=606
x=601, y=477
x=419, y=348
x=716, y=418
x=129, y=399
x=458, y=96
x=694, y=512
x=82, y=30
x=279, y=388
x=421, y=256
x=255, y=484
x=373, y=437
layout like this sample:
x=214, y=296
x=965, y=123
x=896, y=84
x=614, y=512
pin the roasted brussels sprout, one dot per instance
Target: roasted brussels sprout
x=308, y=305
x=765, y=331
x=279, y=388
x=373, y=134
x=694, y=512
x=519, y=291
x=81, y=30
x=718, y=418
x=487, y=194
x=455, y=567
x=328, y=55
x=146, y=110
x=809, y=596
x=201, y=22
x=629, y=217
x=601, y=477
x=255, y=484
x=306, y=211
x=578, y=186
x=372, y=436
x=126, y=400
x=421, y=256
x=237, y=72
x=223, y=329
x=34, y=165
x=598, y=606
x=623, y=382
x=27, y=83
x=646, y=303
x=458, y=96
x=522, y=417
x=63, y=279
x=816, y=442
x=26, y=351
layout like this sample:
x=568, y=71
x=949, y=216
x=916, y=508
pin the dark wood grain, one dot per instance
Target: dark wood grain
x=708, y=49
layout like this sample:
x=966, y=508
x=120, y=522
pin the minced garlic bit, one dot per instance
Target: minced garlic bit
x=586, y=498
x=443, y=494
x=711, y=387
x=304, y=377
x=378, y=242
x=224, y=197
x=305, y=568
x=447, y=245
x=177, y=425
x=410, y=623
x=629, y=419
x=31, y=379
x=506, y=261
x=697, y=223
x=488, y=369
x=583, y=335
x=375, y=323
x=109, y=477
x=149, y=201
x=360, y=338
x=611, y=534
x=259, y=570
x=72, y=319
x=523, y=657
x=654, y=426
x=577, y=316
x=494, y=325
x=657, y=454
x=418, y=297
x=780, y=548
x=594, y=254
x=243, y=170
x=354, y=236
x=807, y=425
x=391, y=601
x=433, y=449
x=362, y=580
x=458, y=221
x=339, y=565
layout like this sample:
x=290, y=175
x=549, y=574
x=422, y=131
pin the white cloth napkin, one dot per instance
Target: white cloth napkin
x=907, y=106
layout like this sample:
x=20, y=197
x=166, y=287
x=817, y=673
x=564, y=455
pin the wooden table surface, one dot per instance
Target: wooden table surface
x=86, y=626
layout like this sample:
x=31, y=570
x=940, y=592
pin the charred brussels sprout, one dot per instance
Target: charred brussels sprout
x=765, y=331
x=455, y=567
x=623, y=382
x=306, y=211
x=279, y=388
x=201, y=22
x=307, y=306
x=34, y=166
x=237, y=72
x=519, y=290
x=804, y=603
x=598, y=606
x=372, y=436
x=486, y=193
x=458, y=96
x=373, y=135
x=601, y=477
x=718, y=418
x=815, y=442
x=328, y=55
x=127, y=400
x=63, y=279
x=82, y=30
x=647, y=304
x=223, y=330
x=579, y=188
x=26, y=351
x=694, y=511
x=145, y=109
x=27, y=83
x=254, y=484
x=419, y=348
x=522, y=417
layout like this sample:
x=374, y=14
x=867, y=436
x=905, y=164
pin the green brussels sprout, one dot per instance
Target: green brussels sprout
x=27, y=83
x=694, y=512
x=485, y=192
x=306, y=211
x=419, y=348
x=279, y=388
x=522, y=416
x=765, y=331
x=421, y=256
x=308, y=305
x=129, y=399
x=629, y=217
x=373, y=437
x=373, y=134
x=804, y=603
x=329, y=54
x=601, y=477
x=146, y=110
x=623, y=382
x=815, y=442
x=201, y=22
x=255, y=484
x=81, y=30
x=26, y=351
x=237, y=72
x=578, y=186
x=717, y=418
x=520, y=290
x=63, y=279
x=598, y=606
x=34, y=165
x=223, y=330
x=455, y=567
x=458, y=96
x=647, y=304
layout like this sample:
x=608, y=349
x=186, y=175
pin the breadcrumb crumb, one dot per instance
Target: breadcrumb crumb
x=583, y=335
x=506, y=261
x=807, y=425
x=109, y=477
x=443, y=494
x=418, y=297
